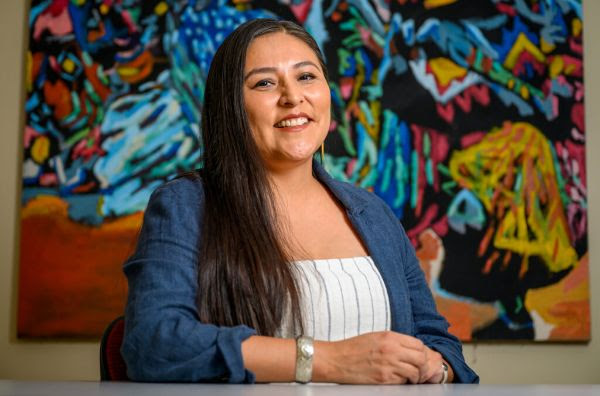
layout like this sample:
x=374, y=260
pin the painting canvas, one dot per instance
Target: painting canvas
x=465, y=116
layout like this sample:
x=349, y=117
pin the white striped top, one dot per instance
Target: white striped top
x=339, y=299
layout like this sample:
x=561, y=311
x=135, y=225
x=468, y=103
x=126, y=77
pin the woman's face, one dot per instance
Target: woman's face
x=287, y=100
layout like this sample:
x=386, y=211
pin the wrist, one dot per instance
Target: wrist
x=323, y=362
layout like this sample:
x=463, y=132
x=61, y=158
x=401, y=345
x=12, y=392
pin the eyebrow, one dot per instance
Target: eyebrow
x=273, y=69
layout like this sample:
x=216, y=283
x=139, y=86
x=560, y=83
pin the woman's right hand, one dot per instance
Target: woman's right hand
x=384, y=357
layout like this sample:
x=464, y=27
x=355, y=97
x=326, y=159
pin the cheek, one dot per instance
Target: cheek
x=322, y=100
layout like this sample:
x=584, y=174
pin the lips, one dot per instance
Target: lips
x=293, y=120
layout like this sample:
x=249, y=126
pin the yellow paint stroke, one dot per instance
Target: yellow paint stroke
x=161, y=8
x=576, y=27
x=524, y=92
x=437, y=3
x=522, y=44
x=546, y=46
x=68, y=65
x=125, y=71
x=445, y=70
x=40, y=149
x=556, y=66
x=511, y=171
x=29, y=72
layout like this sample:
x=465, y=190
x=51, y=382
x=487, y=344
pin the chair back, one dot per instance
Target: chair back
x=112, y=365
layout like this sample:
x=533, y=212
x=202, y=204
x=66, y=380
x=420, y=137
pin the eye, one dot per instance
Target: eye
x=307, y=77
x=263, y=84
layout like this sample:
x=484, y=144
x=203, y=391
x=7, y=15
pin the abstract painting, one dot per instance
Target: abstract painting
x=466, y=117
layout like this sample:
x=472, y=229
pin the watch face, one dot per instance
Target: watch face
x=307, y=349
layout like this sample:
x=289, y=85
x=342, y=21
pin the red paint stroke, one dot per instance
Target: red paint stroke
x=577, y=116
x=463, y=101
x=29, y=135
x=579, y=91
x=89, y=146
x=577, y=152
x=54, y=64
x=441, y=226
x=84, y=187
x=506, y=9
x=346, y=85
x=332, y=125
x=56, y=7
x=131, y=26
x=572, y=155
x=480, y=94
x=525, y=58
x=301, y=10
x=506, y=259
x=485, y=241
x=48, y=179
x=471, y=139
x=425, y=222
x=445, y=111
x=576, y=45
x=350, y=167
x=489, y=263
x=439, y=151
x=546, y=87
x=56, y=20
x=367, y=38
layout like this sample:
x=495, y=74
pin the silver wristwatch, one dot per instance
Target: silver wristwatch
x=444, y=373
x=304, y=359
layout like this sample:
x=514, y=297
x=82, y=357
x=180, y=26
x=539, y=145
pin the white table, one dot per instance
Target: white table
x=27, y=388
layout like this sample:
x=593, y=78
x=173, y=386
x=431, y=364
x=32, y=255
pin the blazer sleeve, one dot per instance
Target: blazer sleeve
x=430, y=326
x=164, y=339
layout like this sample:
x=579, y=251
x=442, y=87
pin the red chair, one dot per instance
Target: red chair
x=112, y=365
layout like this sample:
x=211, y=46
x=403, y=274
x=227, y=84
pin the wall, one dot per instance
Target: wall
x=506, y=363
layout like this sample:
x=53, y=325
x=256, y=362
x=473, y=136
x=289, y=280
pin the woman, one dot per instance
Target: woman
x=262, y=246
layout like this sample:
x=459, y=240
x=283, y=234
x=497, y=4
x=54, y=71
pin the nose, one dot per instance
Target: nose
x=291, y=95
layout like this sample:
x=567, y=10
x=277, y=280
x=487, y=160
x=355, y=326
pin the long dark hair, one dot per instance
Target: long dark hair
x=244, y=276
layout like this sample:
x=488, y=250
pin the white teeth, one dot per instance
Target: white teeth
x=292, y=122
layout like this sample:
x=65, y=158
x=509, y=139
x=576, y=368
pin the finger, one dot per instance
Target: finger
x=434, y=364
x=407, y=371
x=410, y=342
x=413, y=357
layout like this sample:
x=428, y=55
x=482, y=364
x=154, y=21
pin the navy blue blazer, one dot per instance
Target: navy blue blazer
x=165, y=341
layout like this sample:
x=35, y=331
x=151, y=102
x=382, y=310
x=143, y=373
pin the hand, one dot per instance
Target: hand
x=376, y=358
x=433, y=371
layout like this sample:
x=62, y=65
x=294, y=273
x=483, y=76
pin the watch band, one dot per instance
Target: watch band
x=304, y=359
x=444, y=373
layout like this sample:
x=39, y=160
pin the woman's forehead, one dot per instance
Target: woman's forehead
x=277, y=48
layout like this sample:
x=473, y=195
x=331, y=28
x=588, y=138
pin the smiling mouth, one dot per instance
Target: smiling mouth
x=292, y=122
